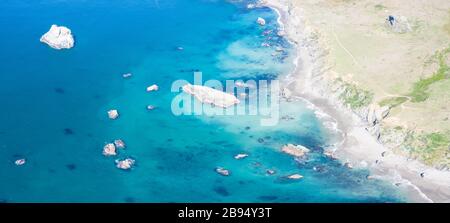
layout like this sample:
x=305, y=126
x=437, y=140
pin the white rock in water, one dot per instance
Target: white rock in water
x=240, y=156
x=295, y=150
x=222, y=171
x=109, y=150
x=261, y=21
x=211, y=96
x=120, y=144
x=153, y=87
x=295, y=176
x=20, y=162
x=113, y=114
x=125, y=164
x=58, y=37
x=127, y=75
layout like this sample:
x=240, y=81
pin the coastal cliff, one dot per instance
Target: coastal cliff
x=375, y=134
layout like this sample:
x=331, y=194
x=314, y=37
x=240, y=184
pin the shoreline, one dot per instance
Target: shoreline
x=309, y=82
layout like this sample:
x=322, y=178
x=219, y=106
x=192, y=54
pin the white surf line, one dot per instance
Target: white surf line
x=345, y=49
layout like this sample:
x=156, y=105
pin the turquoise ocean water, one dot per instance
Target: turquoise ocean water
x=54, y=103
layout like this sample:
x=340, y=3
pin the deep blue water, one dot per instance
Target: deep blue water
x=54, y=107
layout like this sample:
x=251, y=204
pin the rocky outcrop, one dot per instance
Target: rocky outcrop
x=20, y=162
x=120, y=144
x=109, y=150
x=295, y=177
x=240, y=156
x=125, y=164
x=295, y=150
x=261, y=21
x=209, y=95
x=153, y=87
x=222, y=171
x=376, y=114
x=58, y=37
x=113, y=114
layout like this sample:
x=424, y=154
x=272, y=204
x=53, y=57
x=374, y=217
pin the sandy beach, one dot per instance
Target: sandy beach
x=314, y=81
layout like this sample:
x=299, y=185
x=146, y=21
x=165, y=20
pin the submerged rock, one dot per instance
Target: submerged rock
x=109, y=150
x=68, y=131
x=209, y=95
x=71, y=166
x=58, y=37
x=222, y=191
x=222, y=171
x=125, y=164
x=113, y=114
x=295, y=150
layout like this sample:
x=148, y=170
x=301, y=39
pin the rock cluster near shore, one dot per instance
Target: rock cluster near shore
x=58, y=37
x=209, y=95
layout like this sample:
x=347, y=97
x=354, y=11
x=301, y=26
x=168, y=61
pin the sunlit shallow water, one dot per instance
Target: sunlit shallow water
x=54, y=107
